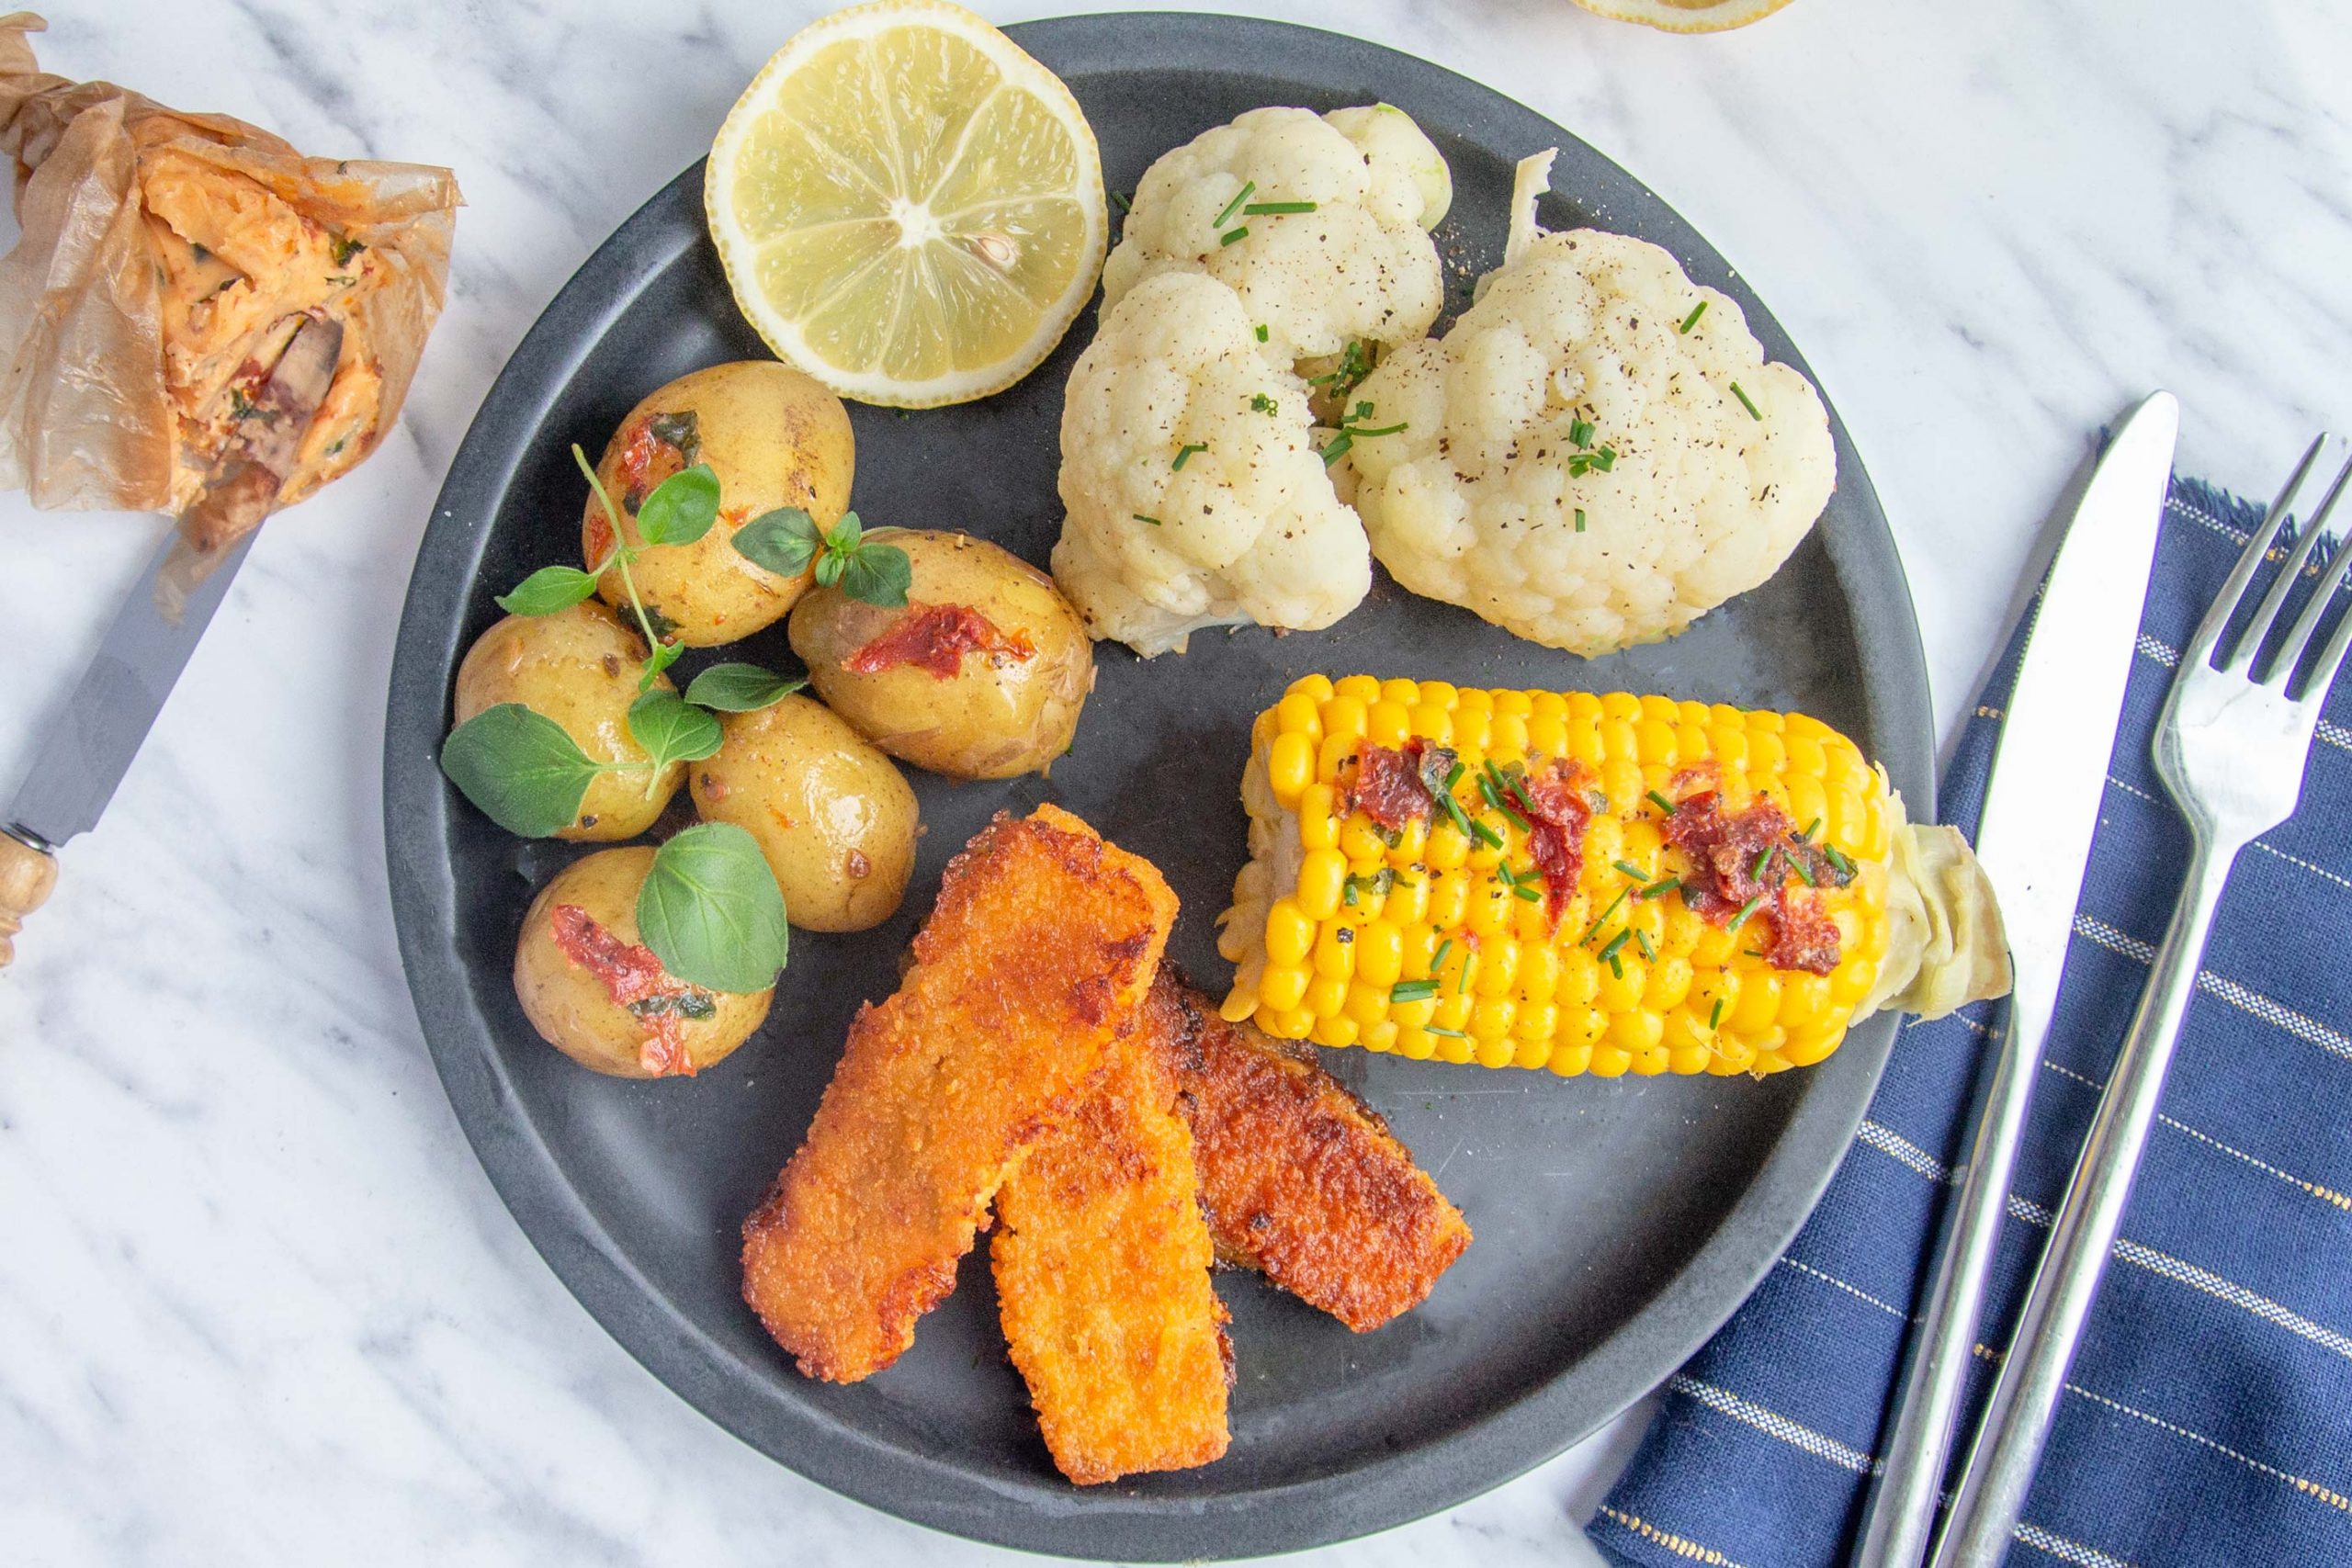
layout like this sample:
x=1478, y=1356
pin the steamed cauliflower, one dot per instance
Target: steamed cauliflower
x=1195, y=496
x=1578, y=469
x=1361, y=265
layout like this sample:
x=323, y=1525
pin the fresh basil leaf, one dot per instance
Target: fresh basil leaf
x=547, y=590
x=521, y=768
x=828, y=569
x=740, y=688
x=711, y=911
x=845, y=535
x=682, y=430
x=680, y=509
x=879, y=574
x=783, y=541
x=672, y=728
x=664, y=655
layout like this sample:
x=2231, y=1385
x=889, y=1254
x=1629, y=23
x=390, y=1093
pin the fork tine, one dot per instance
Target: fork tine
x=2225, y=603
x=2282, y=587
x=2330, y=658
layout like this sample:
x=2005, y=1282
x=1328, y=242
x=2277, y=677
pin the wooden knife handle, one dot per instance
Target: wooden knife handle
x=25, y=876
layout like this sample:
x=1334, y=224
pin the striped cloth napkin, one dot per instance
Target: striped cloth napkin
x=2208, y=1418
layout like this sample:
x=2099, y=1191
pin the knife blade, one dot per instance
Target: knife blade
x=74, y=774
x=2035, y=840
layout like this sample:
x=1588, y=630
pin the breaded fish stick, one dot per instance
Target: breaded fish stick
x=1101, y=1263
x=1299, y=1177
x=1039, y=951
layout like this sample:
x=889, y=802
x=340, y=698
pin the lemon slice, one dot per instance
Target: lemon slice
x=908, y=207
x=1685, y=16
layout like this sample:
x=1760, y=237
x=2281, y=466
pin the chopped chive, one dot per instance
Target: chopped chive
x=1382, y=430
x=1810, y=829
x=1744, y=910
x=1594, y=929
x=1580, y=432
x=1412, y=990
x=1275, y=208
x=1233, y=236
x=1124, y=205
x=1796, y=864
x=1762, y=862
x=1605, y=460
x=1260, y=403
x=1661, y=888
x=1579, y=519
x=1692, y=318
x=1716, y=1013
x=1745, y=401
x=1630, y=869
x=1339, y=447
x=1519, y=793
x=1608, y=952
x=1642, y=940
x=1614, y=967
x=1485, y=834
x=1453, y=775
x=1755, y=952
x=1260, y=330
x=1348, y=892
x=1247, y=189
x=1453, y=809
x=1141, y=518
x=1837, y=861
x=1501, y=796
x=1437, y=961
x=1449, y=1033
x=1522, y=890
x=1661, y=802
x=1184, y=453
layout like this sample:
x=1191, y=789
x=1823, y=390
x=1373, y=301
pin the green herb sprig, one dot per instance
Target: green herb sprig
x=784, y=541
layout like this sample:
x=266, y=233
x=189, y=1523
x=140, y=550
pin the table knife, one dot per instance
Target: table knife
x=74, y=774
x=2035, y=840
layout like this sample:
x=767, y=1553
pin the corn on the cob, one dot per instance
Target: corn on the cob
x=1589, y=883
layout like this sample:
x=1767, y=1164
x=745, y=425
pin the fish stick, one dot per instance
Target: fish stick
x=1102, y=1261
x=1040, y=950
x=1300, y=1179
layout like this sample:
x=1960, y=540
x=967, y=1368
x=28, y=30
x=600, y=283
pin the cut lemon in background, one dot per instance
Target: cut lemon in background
x=1685, y=16
x=908, y=207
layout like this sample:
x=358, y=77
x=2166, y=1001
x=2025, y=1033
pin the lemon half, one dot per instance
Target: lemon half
x=908, y=207
x=1685, y=16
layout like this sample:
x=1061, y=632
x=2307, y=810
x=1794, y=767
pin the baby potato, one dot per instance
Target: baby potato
x=774, y=438
x=578, y=667
x=980, y=676
x=600, y=996
x=833, y=815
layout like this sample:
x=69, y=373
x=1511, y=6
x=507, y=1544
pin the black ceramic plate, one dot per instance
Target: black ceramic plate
x=1618, y=1223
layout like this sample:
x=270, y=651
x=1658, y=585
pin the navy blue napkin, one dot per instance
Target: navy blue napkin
x=2208, y=1418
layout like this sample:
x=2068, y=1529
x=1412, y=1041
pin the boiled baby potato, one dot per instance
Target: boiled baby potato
x=774, y=438
x=578, y=667
x=980, y=675
x=833, y=815
x=595, y=993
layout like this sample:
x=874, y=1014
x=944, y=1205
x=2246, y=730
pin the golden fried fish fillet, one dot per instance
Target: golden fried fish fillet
x=1102, y=1261
x=1299, y=1177
x=1041, y=947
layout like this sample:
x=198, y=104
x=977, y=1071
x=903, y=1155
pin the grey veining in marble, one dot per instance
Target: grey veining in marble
x=257, y=1303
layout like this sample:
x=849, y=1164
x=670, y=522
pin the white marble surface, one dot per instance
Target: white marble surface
x=259, y=1303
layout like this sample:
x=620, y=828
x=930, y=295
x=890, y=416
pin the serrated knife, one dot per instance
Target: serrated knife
x=74, y=774
x=2041, y=807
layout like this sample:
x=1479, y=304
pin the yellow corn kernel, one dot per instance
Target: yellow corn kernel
x=1316, y=687
x=1283, y=986
x=1380, y=954
x=1326, y=994
x=1499, y=961
x=1388, y=724
x=1621, y=985
x=1532, y=920
x=1732, y=1055
x=1484, y=856
x=1360, y=841
x=1290, y=935
x=1759, y=1006
x=1651, y=1060
x=1659, y=742
x=1492, y=1053
x=1320, y=872
x=1362, y=688
x=1452, y=1011
x=1604, y=843
x=1490, y=910
x=1622, y=781
x=1527, y=1052
x=1537, y=1023
x=1611, y=1061
x=1455, y=1048
x=1449, y=899
x=1506, y=737
x=1403, y=693
x=1669, y=982
x=1407, y=904
x=1367, y=1004
x=1804, y=1050
x=1714, y=947
x=1290, y=766
x=1851, y=982
x=1766, y=755
x=1335, y=1030
x=1728, y=743
x=1335, y=951
x=1691, y=1058
x=1380, y=1036
x=1547, y=735
x=1805, y=1001
x=1299, y=714
x=1570, y=1060
x=1683, y=932
x=1580, y=975
x=1447, y=847
x=1491, y=1018
x=1413, y=1015
x=1317, y=827
x=1335, y=752
x=1636, y=1029
x=1432, y=722
x=1412, y=838
x=1416, y=1043
x=1470, y=728
x=1538, y=978
x=1291, y=1023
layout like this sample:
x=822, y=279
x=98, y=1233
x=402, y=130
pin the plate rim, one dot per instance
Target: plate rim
x=1461, y=1463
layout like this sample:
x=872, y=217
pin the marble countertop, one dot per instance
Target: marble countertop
x=257, y=1301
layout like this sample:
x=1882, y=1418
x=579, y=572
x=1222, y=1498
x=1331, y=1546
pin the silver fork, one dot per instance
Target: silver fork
x=2230, y=747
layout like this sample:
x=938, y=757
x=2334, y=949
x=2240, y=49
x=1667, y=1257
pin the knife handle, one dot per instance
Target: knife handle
x=25, y=876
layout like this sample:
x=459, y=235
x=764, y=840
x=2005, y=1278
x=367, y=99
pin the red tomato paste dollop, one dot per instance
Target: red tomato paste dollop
x=935, y=637
x=635, y=979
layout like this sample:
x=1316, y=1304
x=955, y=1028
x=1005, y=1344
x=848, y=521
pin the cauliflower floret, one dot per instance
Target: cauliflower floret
x=1359, y=265
x=1578, y=469
x=1195, y=496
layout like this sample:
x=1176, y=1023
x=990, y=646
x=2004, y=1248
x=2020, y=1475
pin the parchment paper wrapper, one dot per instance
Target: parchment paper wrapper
x=106, y=399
